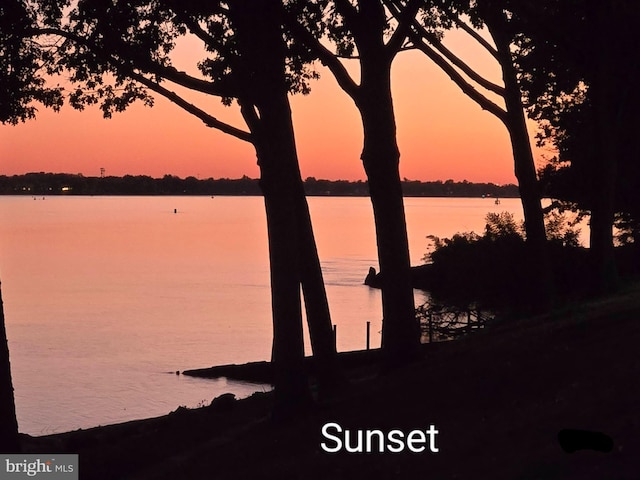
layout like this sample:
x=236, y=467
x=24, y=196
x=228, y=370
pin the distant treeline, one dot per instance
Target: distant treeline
x=69, y=184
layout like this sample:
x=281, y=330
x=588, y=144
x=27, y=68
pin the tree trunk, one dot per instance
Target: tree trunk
x=525, y=171
x=602, y=212
x=605, y=94
x=9, y=440
x=330, y=377
x=291, y=388
x=261, y=73
x=293, y=254
x=278, y=181
x=381, y=157
x=538, y=263
x=282, y=185
x=316, y=304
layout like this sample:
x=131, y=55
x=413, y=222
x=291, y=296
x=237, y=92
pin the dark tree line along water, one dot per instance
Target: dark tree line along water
x=71, y=184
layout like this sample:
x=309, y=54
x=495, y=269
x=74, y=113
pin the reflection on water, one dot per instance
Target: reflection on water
x=105, y=296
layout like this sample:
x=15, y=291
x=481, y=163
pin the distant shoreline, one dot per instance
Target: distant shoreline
x=46, y=184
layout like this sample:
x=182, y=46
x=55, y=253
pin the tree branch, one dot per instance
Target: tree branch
x=476, y=36
x=196, y=29
x=326, y=56
x=250, y=116
x=170, y=73
x=404, y=19
x=420, y=33
x=459, y=80
x=348, y=11
x=458, y=62
x=208, y=120
x=185, y=80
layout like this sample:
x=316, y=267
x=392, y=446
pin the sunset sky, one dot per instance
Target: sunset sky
x=442, y=134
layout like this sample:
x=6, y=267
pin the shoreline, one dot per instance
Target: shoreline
x=262, y=371
x=498, y=398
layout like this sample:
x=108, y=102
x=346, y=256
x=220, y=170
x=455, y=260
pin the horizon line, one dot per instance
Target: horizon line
x=246, y=177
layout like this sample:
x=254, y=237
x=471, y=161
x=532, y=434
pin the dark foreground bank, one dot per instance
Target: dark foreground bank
x=498, y=400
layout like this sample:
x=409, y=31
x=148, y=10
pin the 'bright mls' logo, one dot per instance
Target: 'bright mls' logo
x=49, y=467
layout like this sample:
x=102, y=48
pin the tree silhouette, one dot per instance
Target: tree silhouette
x=9, y=440
x=580, y=56
x=360, y=30
x=22, y=80
x=265, y=107
x=118, y=53
x=425, y=35
x=21, y=84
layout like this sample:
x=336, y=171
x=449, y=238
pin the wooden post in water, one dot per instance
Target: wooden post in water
x=368, y=334
x=335, y=336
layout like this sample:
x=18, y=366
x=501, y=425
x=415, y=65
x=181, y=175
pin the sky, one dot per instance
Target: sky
x=442, y=134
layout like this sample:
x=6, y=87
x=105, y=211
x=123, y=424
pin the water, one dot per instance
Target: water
x=106, y=297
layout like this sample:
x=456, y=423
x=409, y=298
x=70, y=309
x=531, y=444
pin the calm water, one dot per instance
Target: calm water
x=106, y=296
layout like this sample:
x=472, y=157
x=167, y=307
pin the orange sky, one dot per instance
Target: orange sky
x=442, y=134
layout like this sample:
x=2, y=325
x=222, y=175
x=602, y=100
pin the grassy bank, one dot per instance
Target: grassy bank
x=498, y=399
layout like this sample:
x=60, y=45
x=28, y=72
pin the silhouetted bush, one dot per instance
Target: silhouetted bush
x=494, y=270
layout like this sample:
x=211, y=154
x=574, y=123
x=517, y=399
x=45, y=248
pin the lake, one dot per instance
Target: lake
x=106, y=298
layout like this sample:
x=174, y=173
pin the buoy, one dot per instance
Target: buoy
x=175, y=210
